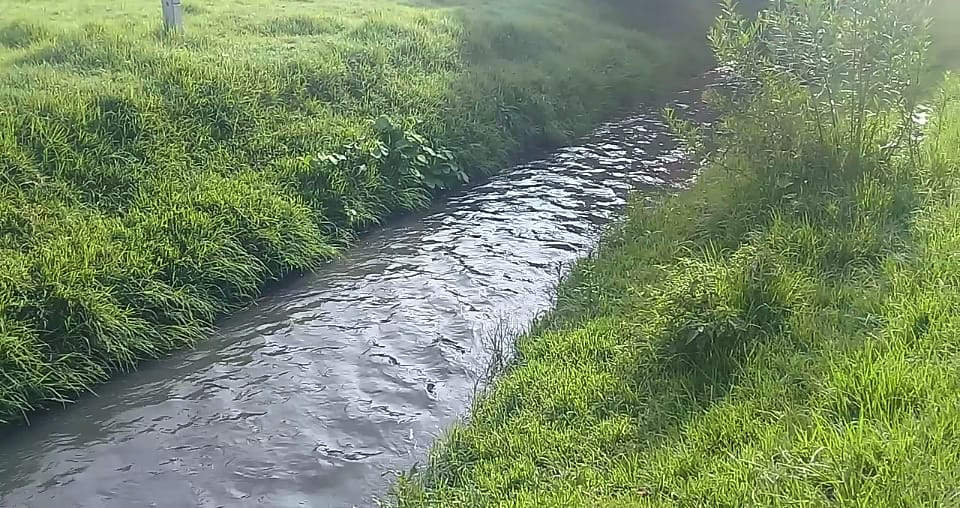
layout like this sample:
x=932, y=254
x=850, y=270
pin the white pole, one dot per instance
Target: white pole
x=172, y=15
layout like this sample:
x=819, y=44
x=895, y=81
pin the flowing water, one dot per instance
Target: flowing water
x=313, y=396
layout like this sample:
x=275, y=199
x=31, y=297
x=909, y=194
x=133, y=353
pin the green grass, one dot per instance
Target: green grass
x=785, y=333
x=150, y=182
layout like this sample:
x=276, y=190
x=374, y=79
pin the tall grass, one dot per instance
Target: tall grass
x=783, y=334
x=150, y=182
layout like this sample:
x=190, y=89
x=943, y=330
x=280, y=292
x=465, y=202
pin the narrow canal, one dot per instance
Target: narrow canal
x=316, y=394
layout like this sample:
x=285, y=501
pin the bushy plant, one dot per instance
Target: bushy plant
x=815, y=79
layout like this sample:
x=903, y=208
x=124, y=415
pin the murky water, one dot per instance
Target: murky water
x=316, y=394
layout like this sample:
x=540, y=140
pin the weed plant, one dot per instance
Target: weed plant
x=783, y=334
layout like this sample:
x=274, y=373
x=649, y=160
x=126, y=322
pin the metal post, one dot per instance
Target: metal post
x=172, y=15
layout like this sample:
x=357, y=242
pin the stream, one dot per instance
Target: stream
x=317, y=394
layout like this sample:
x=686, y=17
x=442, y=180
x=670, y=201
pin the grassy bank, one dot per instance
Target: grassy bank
x=785, y=333
x=150, y=182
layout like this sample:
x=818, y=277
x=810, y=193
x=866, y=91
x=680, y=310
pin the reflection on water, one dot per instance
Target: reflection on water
x=312, y=397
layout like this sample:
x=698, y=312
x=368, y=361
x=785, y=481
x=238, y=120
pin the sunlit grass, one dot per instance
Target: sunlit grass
x=150, y=182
